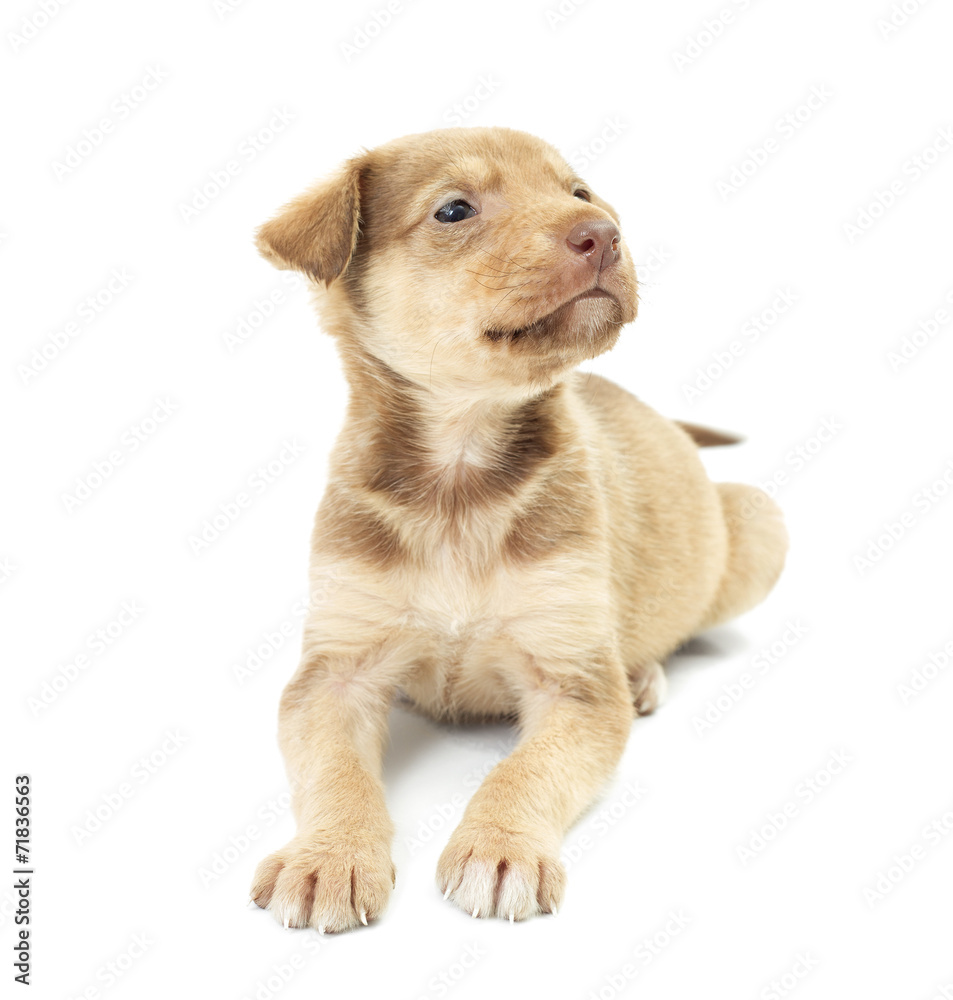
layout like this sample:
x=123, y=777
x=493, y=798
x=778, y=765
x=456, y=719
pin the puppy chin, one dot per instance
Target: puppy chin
x=582, y=328
x=593, y=324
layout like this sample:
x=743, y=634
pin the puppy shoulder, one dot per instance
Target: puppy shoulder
x=626, y=420
x=606, y=400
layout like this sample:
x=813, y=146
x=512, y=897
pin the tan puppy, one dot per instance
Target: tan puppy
x=506, y=537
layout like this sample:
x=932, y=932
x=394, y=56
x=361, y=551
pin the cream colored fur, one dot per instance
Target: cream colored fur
x=505, y=535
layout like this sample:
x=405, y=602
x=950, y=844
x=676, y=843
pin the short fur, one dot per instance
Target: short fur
x=506, y=536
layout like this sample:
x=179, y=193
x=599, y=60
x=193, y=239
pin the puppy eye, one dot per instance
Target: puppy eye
x=455, y=211
x=583, y=194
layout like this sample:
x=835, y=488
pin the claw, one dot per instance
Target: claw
x=552, y=907
x=320, y=928
x=476, y=912
x=446, y=895
x=364, y=917
x=511, y=916
x=287, y=923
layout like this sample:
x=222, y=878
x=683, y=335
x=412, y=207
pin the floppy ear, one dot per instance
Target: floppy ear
x=316, y=233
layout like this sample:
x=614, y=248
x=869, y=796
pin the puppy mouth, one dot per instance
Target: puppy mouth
x=552, y=321
x=593, y=293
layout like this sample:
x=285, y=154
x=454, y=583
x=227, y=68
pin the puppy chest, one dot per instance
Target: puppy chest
x=555, y=610
x=455, y=604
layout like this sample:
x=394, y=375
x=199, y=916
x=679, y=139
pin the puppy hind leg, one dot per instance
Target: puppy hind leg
x=757, y=545
x=648, y=686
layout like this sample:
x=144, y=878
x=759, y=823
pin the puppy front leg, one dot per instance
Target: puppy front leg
x=337, y=871
x=503, y=858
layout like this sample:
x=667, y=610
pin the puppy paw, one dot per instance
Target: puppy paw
x=648, y=687
x=329, y=886
x=489, y=871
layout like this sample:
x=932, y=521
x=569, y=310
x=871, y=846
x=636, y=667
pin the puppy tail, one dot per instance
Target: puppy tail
x=707, y=437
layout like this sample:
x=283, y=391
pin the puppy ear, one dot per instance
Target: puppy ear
x=317, y=232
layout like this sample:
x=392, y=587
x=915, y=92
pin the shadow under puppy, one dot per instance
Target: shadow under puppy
x=506, y=536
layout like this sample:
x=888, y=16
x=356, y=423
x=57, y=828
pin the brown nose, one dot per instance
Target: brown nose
x=596, y=239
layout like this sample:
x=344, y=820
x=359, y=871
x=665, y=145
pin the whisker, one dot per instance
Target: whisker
x=511, y=260
x=491, y=287
x=503, y=300
x=499, y=270
x=525, y=267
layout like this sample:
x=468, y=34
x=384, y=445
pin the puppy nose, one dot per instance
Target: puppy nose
x=597, y=239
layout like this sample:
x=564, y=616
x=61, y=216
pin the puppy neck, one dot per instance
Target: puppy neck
x=445, y=447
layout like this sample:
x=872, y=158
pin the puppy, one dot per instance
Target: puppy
x=506, y=537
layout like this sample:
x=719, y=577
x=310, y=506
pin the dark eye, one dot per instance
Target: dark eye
x=455, y=211
x=583, y=194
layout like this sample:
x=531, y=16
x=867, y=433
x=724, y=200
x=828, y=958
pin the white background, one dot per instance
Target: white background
x=681, y=119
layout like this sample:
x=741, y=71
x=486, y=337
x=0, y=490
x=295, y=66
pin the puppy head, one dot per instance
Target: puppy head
x=464, y=258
